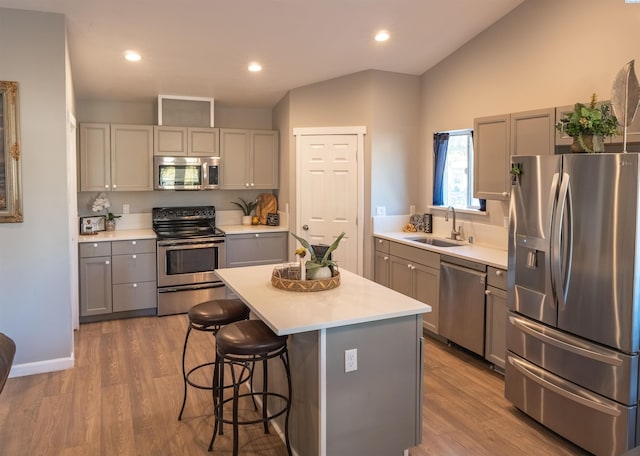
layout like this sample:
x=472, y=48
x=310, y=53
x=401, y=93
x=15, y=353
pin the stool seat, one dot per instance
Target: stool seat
x=248, y=337
x=218, y=312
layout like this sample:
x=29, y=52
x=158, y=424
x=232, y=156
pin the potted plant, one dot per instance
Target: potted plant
x=588, y=125
x=247, y=208
x=318, y=267
x=102, y=203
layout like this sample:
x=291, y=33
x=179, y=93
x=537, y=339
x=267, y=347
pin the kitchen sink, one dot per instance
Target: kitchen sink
x=434, y=242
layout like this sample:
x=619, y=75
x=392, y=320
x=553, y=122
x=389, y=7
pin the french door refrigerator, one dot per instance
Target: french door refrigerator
x=573, y=297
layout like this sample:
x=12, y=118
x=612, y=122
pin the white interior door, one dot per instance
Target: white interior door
x=329, y=194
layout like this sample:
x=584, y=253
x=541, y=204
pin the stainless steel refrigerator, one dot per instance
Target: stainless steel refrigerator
x=573, y=297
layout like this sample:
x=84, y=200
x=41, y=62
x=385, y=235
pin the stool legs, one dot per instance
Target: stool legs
x=184, y=372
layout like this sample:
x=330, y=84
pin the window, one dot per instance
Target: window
x=457, y=171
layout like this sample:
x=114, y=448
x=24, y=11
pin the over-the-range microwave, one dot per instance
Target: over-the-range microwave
x=186, y=173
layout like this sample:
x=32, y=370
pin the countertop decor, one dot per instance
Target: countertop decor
x=287, y=277
x=588, y=125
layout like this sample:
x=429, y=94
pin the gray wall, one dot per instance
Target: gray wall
x=35, y=307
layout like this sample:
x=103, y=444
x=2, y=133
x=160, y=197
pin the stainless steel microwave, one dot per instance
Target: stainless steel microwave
x=186, y=173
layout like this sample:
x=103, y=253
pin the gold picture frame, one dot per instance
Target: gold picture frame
x=10, y=186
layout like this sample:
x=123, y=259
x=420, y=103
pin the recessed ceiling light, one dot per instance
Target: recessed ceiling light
x=132, y=56
x=255, y=67
x=382, y=35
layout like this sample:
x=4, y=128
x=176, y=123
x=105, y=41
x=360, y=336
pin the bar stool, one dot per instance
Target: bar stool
x=209, y=316
x=243, y=344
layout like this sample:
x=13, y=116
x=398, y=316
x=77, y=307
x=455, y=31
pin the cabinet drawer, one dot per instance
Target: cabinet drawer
x=382, y=245
x=133, y=296
x=95, y=249
x=137, y=267
x=255, y=249
x=497, y=278
x=134, y=246
x=415, y=254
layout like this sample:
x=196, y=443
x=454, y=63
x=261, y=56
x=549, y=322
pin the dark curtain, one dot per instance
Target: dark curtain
x=440, y=142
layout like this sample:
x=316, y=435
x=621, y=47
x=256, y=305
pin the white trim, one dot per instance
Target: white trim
x=459, y=210
x=42, y=367
x=179, y=97
x=360, y=131
x=322, y=390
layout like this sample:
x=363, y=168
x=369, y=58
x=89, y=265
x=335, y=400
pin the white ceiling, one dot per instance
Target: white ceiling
x=202, y=47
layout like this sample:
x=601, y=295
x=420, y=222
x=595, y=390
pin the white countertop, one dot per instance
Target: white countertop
x=250, y=229
x=482, y=254
x=356, y=300
x=117, y=235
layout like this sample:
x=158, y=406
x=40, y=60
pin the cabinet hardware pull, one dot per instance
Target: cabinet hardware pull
x=95, y=244
x=386, y=258
x=135, y=285
x=134, y=256
x=133, y=242
x=107, y=262
x=498, y=273
x=487, y=292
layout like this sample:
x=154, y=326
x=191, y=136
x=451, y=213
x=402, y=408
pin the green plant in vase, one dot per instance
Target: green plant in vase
x=588, y=125
x=247, y=208
x=319, y=267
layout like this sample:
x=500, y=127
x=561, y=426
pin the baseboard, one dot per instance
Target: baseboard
x=41, y=367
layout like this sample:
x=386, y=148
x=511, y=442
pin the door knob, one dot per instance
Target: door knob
x=305, y=227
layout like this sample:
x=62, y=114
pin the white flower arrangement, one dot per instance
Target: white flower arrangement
x=101, y=203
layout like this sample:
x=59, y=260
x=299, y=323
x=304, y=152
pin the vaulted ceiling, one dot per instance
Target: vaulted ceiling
x=203, y=47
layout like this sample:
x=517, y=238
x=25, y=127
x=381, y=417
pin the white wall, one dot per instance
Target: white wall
x=545, y=53
x=34, y=255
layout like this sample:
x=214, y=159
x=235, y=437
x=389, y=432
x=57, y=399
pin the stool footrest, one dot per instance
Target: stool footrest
x=258, y=420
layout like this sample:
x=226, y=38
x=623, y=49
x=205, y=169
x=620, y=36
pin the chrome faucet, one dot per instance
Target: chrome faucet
x=454, y=233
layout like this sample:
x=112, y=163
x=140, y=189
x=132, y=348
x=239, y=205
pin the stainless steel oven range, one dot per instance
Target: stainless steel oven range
x=190, y=249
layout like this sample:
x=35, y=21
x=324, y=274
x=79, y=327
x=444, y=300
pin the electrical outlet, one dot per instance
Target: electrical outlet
x=412, y=209
x=125, y=208
x=351, y=360
x=381, y=211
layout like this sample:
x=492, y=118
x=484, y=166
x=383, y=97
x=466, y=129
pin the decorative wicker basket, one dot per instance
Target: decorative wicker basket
x=288, y=278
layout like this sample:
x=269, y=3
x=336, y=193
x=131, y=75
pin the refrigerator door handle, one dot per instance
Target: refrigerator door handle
x=563, y=388
x=591, y=352
x=561, y=247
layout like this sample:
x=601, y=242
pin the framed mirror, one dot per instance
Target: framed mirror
x=10, y=188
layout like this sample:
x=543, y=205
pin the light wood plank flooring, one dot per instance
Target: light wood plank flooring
x=124, y=394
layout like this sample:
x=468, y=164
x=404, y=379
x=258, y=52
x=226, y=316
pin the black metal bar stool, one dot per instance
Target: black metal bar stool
x=209, y=316
x=243, y=344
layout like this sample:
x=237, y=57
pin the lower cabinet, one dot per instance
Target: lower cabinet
x=255, y=249
x=415, y=272
x=496, y=318
x=381, y=262
x=117, y=276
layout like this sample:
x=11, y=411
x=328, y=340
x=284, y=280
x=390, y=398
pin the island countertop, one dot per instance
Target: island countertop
x=356, y=300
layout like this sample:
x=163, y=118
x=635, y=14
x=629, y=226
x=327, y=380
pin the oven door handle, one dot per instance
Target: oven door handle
x=176, y=246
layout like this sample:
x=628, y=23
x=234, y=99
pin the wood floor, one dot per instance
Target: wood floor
x=124, y=395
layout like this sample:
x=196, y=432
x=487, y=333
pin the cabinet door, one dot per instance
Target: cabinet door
x=400, y=275
x=426, y=289
x=203, y=142
x=95, y=157
x=496, y=326
x=134, y=296
x=255, y=249
x=95, y=286
x=533, y=132
x=131, y=157
x=264, y=160
x=234, y=152
x=381, y=268
x=491, y=157
x=170, y=141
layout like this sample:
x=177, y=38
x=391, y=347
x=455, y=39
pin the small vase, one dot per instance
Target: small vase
x=587, y=143
x=246, y=220
x=320, y=273
x=110, y=225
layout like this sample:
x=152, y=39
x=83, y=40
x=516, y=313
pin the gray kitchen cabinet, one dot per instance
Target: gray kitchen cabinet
x=415, y=272
x=95, y=279
x=255, y=249
x=491, y=157
x=117, y=276
x=116, y=157
x=496, y=317
x=186, y=141
x=249, y=159
x=533, y=132
x=381, y=262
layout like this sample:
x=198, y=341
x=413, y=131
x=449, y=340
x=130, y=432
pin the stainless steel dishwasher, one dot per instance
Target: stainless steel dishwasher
x=461, y=311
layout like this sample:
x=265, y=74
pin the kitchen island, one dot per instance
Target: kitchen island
x=373, y=410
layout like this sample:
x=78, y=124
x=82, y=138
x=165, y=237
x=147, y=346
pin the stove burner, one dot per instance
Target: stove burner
x=185, y=222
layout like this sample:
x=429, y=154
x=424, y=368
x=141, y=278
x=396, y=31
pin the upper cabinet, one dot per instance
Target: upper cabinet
x=249, y=159
x=496, y=138
x=186, y=141
x=491, y=144
x=116, y=157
